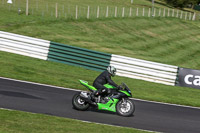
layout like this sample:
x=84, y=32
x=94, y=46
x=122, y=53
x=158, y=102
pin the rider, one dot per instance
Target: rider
x=104, y=78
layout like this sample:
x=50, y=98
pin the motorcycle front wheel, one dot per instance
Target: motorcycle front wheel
x=79, y=103
x=125, y=107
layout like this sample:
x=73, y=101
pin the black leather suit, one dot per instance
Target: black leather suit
x=102, y=79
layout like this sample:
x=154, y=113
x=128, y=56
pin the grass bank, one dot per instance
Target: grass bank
x=22, y=122
x=165, y=40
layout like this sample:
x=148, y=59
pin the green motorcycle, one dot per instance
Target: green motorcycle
x=116, y=101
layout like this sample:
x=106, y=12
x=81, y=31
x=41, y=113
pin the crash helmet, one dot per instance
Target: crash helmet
x=112, y=70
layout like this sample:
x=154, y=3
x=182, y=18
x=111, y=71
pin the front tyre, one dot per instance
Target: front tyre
x=78, y=103
x=125, y=107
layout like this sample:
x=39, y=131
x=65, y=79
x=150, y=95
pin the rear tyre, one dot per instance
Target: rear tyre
x=79, y=103
x=125, y=107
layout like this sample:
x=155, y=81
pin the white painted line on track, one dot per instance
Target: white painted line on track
x=39, y=84
x=184, y=106
x=117, y=126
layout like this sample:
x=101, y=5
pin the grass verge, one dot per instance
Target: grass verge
x=22, y=122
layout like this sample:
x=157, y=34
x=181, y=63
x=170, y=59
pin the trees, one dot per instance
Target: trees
x=182, y=3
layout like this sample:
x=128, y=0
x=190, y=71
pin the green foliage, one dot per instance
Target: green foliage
x=182, y=3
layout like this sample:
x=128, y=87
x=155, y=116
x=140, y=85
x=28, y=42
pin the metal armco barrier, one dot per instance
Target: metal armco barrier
x=71, y=55
x=23, y=45
x=188, y=78
x=144, y=70
x=89, y=59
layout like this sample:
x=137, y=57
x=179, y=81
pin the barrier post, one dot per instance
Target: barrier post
x=56, y=10
x=115, y=11
x=98, y=12
x=88, y=13
x=26, y=7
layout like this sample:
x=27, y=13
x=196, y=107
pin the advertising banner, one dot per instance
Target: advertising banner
x=188, y=78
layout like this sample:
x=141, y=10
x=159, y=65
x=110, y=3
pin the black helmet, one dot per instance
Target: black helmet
x=112, y=70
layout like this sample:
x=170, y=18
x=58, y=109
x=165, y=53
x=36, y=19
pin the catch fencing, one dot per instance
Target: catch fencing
x=93, y=60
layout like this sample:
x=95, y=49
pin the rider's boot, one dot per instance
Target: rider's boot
x=95, y=96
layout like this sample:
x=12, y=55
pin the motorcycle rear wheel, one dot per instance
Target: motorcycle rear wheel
x=79, y=103
x=125, y=107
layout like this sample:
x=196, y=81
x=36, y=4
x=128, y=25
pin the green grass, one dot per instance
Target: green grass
x=21, y=122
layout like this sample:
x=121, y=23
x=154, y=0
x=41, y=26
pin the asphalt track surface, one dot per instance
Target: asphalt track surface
x=55, y=101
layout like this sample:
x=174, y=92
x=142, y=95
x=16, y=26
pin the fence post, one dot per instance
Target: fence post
x=185, y=15
x=56, y=10
x=143, y=11
x=47, y=8
x=88, y=13
x=194, y=16
x=122, y=12
x=159, y=12
x=98, y=12
x=190, y=16
x=168, y=12
x=26, y=7
x=149, y=14
x=154, y=13
x=173, y=13
x=164, y=12
x=63, y=9
x=177, y=14
x=181, y=16
x=37, y=5
x=137, y=12
x=69, y=11
x=115, y=11
x=76, y=12
x=107, y=12
x=130, y=13
x=43, y=13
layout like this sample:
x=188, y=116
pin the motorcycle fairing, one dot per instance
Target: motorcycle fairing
x=92, y=88
x=110, y=105
x=125, y=92
x=85, y=83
